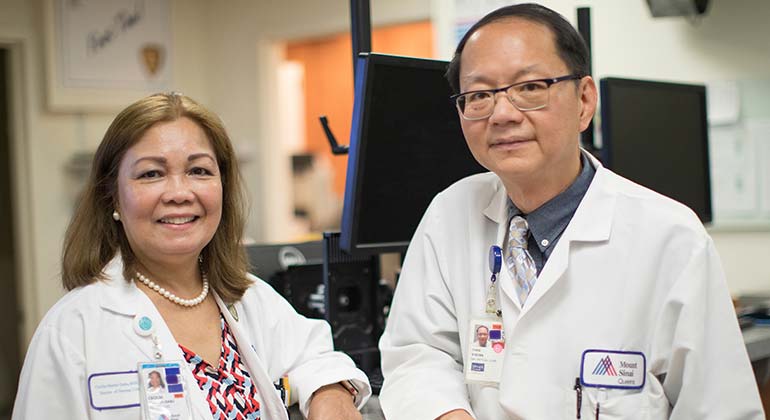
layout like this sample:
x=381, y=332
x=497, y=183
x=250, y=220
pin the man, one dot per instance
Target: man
x=482, y=335
x=610, y=299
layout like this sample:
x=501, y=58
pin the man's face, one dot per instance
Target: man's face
x=482, y=335
x=526, y=148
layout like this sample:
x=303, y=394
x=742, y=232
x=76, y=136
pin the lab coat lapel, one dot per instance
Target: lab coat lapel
x=172, y=352
x=592, y=222
x=272, y=407
x=123, y=298
x=497, y=212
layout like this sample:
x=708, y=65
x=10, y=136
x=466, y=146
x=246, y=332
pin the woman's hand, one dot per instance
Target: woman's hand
x=333, y=402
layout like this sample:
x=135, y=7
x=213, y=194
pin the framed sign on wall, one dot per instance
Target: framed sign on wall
x=104, y=54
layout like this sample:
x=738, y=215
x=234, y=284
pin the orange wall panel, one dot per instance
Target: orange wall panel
x=328, y=84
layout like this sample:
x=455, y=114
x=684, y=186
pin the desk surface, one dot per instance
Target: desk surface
x=372, y=410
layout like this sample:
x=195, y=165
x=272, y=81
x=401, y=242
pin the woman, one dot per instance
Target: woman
x=158, y=280
x=155, y=382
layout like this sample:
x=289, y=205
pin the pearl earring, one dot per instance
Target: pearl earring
x=116, y=216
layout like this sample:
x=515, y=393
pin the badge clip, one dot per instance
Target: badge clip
x=495, y=264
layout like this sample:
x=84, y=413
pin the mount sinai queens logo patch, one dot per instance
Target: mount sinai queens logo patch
x=613, y=369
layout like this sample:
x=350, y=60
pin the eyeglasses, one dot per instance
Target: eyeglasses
x=525, y=96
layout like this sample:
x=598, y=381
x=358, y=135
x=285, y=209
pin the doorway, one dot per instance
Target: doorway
x=10, y=358
x=321, y=81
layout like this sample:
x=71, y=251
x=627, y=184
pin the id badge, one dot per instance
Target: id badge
x=484, y=361
x=163, y=393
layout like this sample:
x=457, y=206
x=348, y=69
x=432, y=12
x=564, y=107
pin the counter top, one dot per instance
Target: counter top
x=371, y=410
x=757, y=339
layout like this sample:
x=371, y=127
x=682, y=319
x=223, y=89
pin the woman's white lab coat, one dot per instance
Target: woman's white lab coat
x=633, y=271
x=91, y=331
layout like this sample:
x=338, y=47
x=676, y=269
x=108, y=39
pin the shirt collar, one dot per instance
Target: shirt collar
x=547, y=222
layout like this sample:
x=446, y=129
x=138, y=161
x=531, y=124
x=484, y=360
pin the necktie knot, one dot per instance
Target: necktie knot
x=518, y=232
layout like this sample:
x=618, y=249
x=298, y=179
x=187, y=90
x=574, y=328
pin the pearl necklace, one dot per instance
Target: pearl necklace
x=174, y=298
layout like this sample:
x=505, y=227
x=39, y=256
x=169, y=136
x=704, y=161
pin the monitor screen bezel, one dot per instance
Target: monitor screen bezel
x=349, y=238
x=607, y=85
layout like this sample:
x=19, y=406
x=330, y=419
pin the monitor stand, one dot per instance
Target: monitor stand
x=354, y=306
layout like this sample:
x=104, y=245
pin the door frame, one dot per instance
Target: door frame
x=21, y=188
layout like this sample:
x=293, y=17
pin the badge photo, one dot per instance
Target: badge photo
x=163, y=391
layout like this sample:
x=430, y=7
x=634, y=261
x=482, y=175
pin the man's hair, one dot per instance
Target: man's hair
x=93, y=238
x=570, y=45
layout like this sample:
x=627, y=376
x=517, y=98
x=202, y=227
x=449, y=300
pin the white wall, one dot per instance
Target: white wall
x=225, y=55
x=48, y=141
x=44, y=142
x=730, y=43
x=248, y=38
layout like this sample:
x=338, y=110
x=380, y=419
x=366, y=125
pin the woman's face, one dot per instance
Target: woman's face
x=170, y=192
x=154, y=379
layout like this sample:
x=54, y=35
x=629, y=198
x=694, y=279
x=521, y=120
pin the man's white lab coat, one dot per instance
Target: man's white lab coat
x=633, y=271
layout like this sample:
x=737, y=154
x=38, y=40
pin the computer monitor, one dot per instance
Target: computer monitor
x=656, y=134
x=406, y=146
x=267, y=260
x=295, y=270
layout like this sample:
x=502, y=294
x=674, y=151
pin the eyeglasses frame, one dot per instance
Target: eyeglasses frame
x=548, y=81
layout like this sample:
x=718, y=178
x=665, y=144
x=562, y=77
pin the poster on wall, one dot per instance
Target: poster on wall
x=452, y=19
x=468, y=12
x=739, y=149
x=103, y=54
x=758, y=130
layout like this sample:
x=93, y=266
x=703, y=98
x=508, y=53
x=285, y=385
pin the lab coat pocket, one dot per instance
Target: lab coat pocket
x=649, y=403
x=485, y=402
x=129, y=413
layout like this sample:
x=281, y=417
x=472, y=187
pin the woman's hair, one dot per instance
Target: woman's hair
x=93, y=238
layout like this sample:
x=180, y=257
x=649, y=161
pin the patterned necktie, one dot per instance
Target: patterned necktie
x=520, y=263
